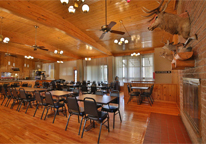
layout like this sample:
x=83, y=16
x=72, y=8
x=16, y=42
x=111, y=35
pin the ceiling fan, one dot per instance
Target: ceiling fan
x=36, y=46
x=107, y=28
x=8, y=54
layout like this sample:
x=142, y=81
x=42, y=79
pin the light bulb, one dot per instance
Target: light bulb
x=126, y=41
x=61, y=52
x=89, y=59
x=116, y=41
x=85, y=8
x=64, y=2
x=55, y=51
x=122, y=39
x=85, y=58
x=119, y=43
x=71, y=10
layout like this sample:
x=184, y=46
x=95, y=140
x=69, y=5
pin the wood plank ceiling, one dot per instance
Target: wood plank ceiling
x=58, y=29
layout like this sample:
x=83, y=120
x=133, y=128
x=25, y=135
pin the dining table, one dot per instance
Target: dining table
x=58, y=93
x=29, y=89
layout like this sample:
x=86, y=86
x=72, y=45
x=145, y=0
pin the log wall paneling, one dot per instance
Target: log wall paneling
x=161, y=92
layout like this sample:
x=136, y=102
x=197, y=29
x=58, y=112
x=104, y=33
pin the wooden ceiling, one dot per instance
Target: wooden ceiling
x=58, y=29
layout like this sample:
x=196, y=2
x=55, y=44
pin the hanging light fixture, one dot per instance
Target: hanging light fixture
x=121, y=41
x=135, y=54
x=64, y=2
x=88, y=59
x=28, y=57
x=76, y=4
x=58, y=51
x=60, y=62
x=88, y=47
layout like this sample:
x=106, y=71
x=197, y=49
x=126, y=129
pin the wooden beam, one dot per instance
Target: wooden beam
x=25, y=40
x=33, y=12
x=18, y=51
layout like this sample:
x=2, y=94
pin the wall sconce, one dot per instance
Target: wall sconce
x=76, y=4
x=58, y=51
x=135, y=54
x=60, y=62
x=28, y=57
x=121, y=41
x=88, y=59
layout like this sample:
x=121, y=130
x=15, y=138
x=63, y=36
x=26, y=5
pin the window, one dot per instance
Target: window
x=49, y=70
x=75, y=76
x=129, y=68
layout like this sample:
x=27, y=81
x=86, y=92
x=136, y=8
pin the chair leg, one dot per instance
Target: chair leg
x=78, y=118
x=120, y=116
x=84, y=127
x=12, y=105
x=36, y=109
x=99, y=133
x=43, y=112
x=8, y=102
x=108, y=123
x=67, y=122
x=129, y=99
x=80, y=125
x=27, y=107
x=46, y=113
x=149, y=101
x=113, y=120
x=55, y=115
x=20, y=106
x=3, y=101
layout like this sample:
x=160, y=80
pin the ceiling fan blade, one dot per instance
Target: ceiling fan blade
x=92, y=29
x=13, y=56
x=101, y=37
x=117, y=32
x=41, y=47
x=112, y=23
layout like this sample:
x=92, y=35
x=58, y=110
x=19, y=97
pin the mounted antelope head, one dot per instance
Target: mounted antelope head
x=174, y=24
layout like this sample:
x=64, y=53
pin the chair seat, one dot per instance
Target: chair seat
x=58, y=105
x=81, y=111
x=134, y=94
x=29, y=99
x=145, y=93
x=109, y=108
x=99, y=105
x=102, y=116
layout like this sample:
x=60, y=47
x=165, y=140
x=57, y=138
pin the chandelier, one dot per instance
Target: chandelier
x=58, y=51
x=75, y=5
x=135, y=54
x=88, y=59
x=121, y=41
x=28, y=57
x=60, y=62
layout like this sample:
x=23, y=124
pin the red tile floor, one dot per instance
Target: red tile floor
x=166, y=129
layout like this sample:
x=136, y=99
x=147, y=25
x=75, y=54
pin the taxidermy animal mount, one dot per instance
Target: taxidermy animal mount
x=166, y=56
x=174, y=24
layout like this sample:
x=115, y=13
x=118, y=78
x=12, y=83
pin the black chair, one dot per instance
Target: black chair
x=16, y=98
x=36, y=85
x=84, y=89
x=135, y=92
x=25, y=98
x=111, y=86
x=24, y=85
x=99, y=93
x=148, y=95
x=5, y=94
x=51, y=104
x=10, y=96
x=117, y=85
x=39, y=101
x=113, y=109
x=131, y=94
x=75, y=92
x=59, y=87
x=84, y=83
x=74, y=109
x=93, y=89
x=91, y=113
x=1, y=90
x=72, y=82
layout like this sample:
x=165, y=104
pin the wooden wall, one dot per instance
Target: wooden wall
x=161, y=92
x=19, y=63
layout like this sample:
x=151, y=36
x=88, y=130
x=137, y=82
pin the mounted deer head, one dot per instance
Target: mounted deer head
x=171, y=23
x=166, y=56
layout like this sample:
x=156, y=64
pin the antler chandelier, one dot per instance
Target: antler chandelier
x=76, y=4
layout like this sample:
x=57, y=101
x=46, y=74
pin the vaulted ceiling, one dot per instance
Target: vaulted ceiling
x=58, y=29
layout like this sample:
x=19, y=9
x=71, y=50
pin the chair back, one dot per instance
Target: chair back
x=116, y=85
x=38, y=96
x=4, y=92
x=128, y=89
x=72, y=104
x=9, y=90
x=22, y=93
x=49, y=99
x=84, y=88
x=76, y=91
x=0, y=88
x=99, y=93
x=151, y=89
x=72, y=82
x=115, y=93
x=59, y=86
x=65, y=89
x=25, y=85
x=90, y=107
x=15, y=94
x=84, y=83
x=93, y=89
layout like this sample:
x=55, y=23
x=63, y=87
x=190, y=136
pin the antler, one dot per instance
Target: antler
x=165, y=6
x=154, y=11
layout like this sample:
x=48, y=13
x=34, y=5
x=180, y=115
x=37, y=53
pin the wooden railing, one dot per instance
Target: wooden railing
x=161, y=92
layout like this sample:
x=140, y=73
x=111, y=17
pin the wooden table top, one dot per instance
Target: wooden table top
x=28, y=89
x=142, y=88
x=60, y=93
x=99, y=99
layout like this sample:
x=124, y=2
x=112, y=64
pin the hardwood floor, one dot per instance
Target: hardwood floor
x=18, y=127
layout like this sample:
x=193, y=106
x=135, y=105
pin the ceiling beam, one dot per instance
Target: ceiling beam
x=18, y=51
x=23, y=39
x=33, y=12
